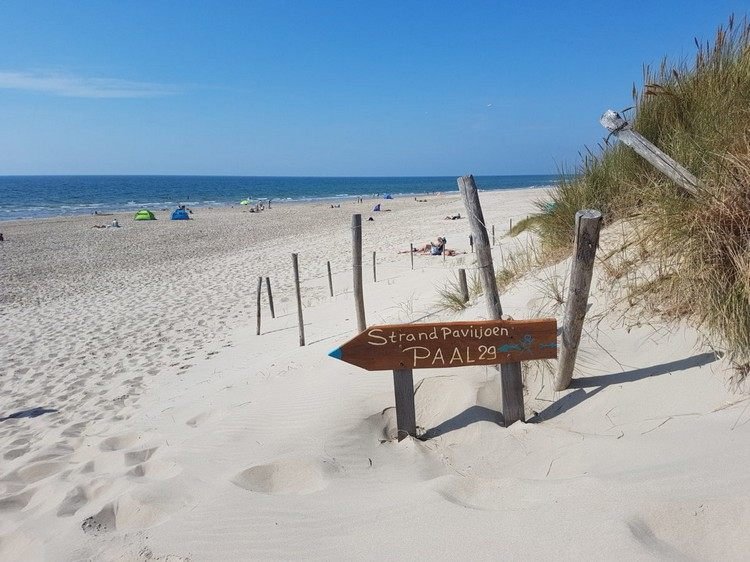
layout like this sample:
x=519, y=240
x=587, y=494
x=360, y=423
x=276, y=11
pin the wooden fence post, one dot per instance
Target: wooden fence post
x=403, y=388
x=260, y=287
x=510, y=226
x=471, y=242
x=463, y=285
x=359, y=297
x=295, y=265
x=374, y=271
x=621, y=129
x=587, y=227
x=510, y=373
x=493, y=234
x=330, y=278
x=411, y=251
x=270, y=297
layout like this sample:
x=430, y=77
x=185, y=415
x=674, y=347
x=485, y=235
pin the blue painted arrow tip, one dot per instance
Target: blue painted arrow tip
x=336, y=353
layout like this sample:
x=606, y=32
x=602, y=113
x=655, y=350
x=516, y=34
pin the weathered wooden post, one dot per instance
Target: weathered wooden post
x=270, y=297
x=471, y=242
x=587, y=227
x=403, y=389
x=510, y=226
x=463, y=285
x=359, y=297
x=374, y=271
x=330, y=278
x=411, y=251
x=260, y=287
x=493, y=234
x=295, y=265
x=621, y=129
x=510, y=373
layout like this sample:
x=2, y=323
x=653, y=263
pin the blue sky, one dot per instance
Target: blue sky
x=324, y=88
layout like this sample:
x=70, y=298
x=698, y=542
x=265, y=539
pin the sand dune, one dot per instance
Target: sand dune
x=143, y=418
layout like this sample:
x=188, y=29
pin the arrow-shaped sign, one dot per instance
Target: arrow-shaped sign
x=450, y=344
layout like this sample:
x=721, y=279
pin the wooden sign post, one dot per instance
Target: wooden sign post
x=403, y=347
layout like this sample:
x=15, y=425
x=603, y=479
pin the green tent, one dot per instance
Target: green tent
x=144, y=215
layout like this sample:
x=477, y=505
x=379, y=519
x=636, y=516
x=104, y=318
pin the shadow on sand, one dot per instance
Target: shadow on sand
x=476, y=414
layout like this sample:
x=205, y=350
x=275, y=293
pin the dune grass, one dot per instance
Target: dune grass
x=699, y=113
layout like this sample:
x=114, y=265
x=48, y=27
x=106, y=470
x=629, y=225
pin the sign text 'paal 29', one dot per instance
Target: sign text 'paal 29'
x=450, y=344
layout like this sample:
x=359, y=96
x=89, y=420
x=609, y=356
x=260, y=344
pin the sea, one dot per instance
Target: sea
x=28, y=197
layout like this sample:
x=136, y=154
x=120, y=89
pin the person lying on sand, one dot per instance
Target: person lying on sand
x=453, y=217
x=433, y=249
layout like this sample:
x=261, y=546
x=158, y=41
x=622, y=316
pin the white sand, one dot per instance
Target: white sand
x=177, y=433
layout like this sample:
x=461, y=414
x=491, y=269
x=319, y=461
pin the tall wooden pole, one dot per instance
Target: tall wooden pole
x=330, y=277
x=493, y=234
x=587, y=227
x=510, y=373
x=411, y=251
x=258, y=292
x=359, y=296
x=300, y=321
x=374, y=270
x=270, y=297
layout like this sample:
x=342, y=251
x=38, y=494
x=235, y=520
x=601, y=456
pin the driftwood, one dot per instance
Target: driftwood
x=621, y=129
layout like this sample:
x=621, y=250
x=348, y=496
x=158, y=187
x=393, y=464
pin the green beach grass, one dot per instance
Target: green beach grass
x=698, y=248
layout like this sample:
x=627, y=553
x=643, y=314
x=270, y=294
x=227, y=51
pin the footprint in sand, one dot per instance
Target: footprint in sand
x=142, y=508
x=287, y=476
x=82, y=495
x=39, y=471
x=137, y=457
x=201, y=418
x=155, y=470
x=74, y=430
x=15, y=502
x=117, y=442
x=15, y=453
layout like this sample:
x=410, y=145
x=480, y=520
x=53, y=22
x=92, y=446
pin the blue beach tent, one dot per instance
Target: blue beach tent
x=180, y=215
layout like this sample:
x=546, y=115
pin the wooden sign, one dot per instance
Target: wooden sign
x=450, y=344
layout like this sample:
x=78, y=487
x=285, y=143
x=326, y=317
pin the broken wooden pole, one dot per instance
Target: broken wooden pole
x=330, y=278
x=359, y=296
x=270, y=297
x=403, y=388
x=510, y=373
x=258, y=292
x=587, y=227
x=300, y=321
x=623, y=131
x=463, y=285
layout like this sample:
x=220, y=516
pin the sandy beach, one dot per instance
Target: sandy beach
x=142, y=418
